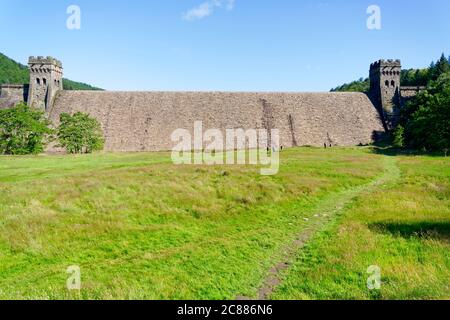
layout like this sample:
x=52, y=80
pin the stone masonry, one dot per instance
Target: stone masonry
x=11, y=94
x=385, y=88
x=145, y=121
x=45, y=81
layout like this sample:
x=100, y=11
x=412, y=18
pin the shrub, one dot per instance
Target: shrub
x=79, y=133
x=23, y=130
x=398, y=137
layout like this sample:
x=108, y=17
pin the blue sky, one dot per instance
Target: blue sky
x=241, y=45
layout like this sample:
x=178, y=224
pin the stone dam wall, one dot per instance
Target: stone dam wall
x=12, y=94
x=145, y=121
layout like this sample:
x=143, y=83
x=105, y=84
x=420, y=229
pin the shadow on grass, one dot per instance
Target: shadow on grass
x=393, y=152
x=420, y=230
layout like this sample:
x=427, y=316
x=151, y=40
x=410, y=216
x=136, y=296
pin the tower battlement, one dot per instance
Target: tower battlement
x=45, y=80
x=386, y=63
x=44, y=61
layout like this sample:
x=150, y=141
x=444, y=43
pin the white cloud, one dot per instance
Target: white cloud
x=207, y=8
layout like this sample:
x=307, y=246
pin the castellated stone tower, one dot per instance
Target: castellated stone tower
x=385, y=89
x=45, y=81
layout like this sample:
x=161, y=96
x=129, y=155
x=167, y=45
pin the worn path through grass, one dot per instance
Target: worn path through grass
x=401, y=228
x=140, y=227
x=325, y=212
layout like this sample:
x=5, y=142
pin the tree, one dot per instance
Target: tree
x=23, y=130
x=440, y=67
x=426, y=118
x=443, y=66
x=79, y=133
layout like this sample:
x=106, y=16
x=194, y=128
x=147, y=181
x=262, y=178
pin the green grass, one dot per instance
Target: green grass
x=402, y=227
x=142, y=228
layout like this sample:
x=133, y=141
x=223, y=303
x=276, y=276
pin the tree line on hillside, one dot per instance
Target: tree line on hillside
x=360, y=85
x=12, y=72
x=409, y=77
x=422, y=77
x=25, y=130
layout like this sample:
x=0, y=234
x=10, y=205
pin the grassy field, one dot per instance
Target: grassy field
x=142, y=228
x=403, y=228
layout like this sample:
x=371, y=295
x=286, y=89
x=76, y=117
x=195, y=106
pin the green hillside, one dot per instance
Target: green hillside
x=73, y=85
x=12, y=72
x=361, y=85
